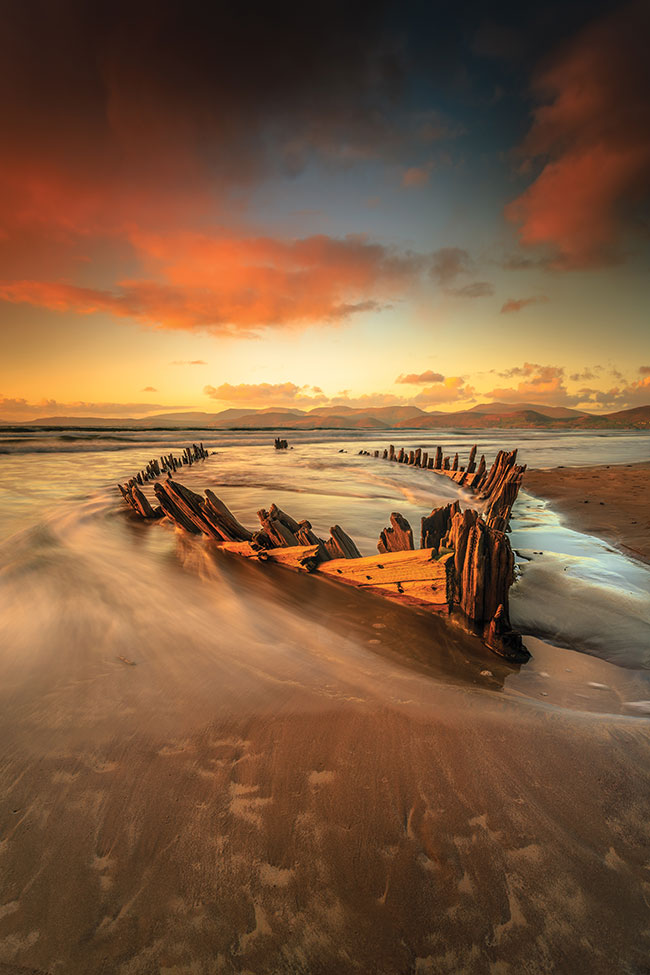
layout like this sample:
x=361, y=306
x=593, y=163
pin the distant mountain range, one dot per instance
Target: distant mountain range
x=480, y=417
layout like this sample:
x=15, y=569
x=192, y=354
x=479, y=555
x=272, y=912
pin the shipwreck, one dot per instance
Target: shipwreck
x=463, y=567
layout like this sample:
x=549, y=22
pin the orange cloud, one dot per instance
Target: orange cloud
x=227, y=284
x=448, y=263
x=593, y=134
x=452, y=389
x=267, y=394
x=538, y=383
x=626, y=396
x=478, y=289
x=416, y=176
x=419, y=378
x=516, y=304
x=18, y=409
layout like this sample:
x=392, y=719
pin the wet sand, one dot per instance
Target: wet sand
x=612, y=502
x=372, y=792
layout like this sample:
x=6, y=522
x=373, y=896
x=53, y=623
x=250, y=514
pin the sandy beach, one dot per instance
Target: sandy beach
x=611, y=501
x=391, y=825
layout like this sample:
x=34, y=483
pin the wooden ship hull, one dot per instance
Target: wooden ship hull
x=463, y=568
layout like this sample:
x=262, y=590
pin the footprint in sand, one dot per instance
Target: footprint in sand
x=272, y=876
x=245, y=804
x=316, y=778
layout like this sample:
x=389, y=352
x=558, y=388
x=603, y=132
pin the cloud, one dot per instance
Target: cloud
x=417, y=176
x=644, y=370
x=267, y=394
x=239, y=285
x=547, y=384
x=584, y=376
x=188, y=362
x=289, y=394
x=135, y=112
x=543, y=384
x=16, y=409
x=478, y=289
x=448, y=263
x=623, y=397
x=592, y=134
x=366, y=400
x=419, y=378
x=149, y=389
x=453, y=388
x=516, y=304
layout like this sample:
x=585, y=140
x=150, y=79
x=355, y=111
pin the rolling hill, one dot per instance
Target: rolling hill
x=483, y=417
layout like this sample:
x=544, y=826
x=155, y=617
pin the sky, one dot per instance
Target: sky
x=302, y=205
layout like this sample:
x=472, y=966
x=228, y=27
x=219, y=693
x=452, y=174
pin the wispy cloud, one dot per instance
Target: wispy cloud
x=421, y=378
x=516, y=304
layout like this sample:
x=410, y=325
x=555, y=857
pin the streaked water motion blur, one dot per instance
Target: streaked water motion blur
x=77, y=566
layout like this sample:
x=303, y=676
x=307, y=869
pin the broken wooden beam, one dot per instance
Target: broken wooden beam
x=172, y=510
x=434, y=527
x=276, y=529
x=397, y=538
x=340, y=545
x=221, y=517
x=141, y=503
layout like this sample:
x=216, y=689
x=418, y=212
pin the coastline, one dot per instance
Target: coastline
x=609, y=501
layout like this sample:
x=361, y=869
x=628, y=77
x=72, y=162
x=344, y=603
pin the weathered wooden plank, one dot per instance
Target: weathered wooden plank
x=190, y=504
x=276, y=529
x=287, y=520
x=141, y=503
x=219, y=514
x=305, y=557
x=432, y=594
x=393, y=567
x=238, y=548
x=499, y=637
x=340, y=545
x=302, y=557
x=173, y=511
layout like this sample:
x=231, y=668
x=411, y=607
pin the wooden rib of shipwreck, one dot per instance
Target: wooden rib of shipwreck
x=153, y=469
x=465, y=564
x=498, y=486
